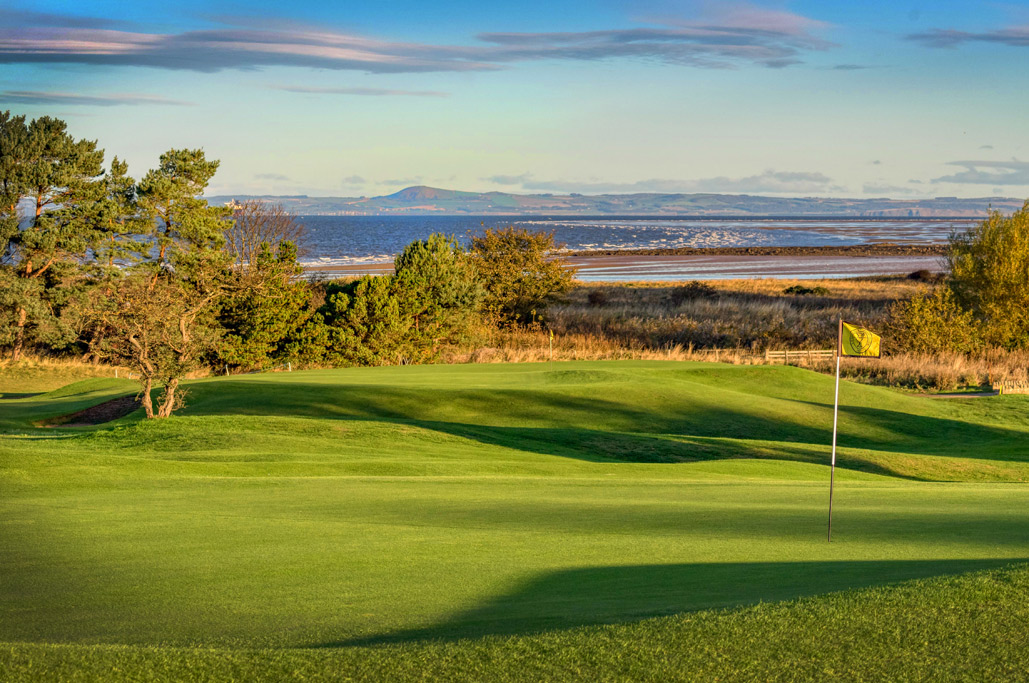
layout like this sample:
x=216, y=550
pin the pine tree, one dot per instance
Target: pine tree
x=59, y=178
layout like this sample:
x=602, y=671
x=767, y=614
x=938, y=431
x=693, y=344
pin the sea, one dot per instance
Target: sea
x=359, y=240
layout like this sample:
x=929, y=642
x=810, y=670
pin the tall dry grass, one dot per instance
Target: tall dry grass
x=938, y=371
x=734, y=324
x=36, y=373
x=751, y=314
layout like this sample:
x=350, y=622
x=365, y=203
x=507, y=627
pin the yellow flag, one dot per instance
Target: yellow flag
x=857, y=341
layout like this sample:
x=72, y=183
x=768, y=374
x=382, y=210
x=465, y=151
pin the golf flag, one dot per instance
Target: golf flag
x=857, y=341
x=851, y=341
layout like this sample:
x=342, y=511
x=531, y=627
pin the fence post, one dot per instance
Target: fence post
x=786, y=357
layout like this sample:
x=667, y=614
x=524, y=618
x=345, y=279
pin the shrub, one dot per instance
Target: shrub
x=364, y=323
x=432, y=300
x=990, y=276
x=801, y=290
x=924, y=275
x=597, y=297
x=520, y=272
x=265, y=310
x=692, y=290
x=437, y=292
x=932, y=323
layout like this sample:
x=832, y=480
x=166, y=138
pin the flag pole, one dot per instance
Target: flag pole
x=835, y=421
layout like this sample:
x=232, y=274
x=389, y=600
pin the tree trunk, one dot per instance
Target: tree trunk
x=148, y=404
x=168, y=399
x=19, y=337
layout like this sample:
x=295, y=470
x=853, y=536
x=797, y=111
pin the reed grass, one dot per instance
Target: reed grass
x=734, y=321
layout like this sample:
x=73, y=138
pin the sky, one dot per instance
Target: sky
x=879, y=98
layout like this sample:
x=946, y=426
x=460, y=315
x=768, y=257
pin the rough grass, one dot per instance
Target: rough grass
x=752, y=314
x=733, y=321
x=513, y=522
x=38, y=374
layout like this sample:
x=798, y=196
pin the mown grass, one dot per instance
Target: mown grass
x=504, y=521
x=965, y=628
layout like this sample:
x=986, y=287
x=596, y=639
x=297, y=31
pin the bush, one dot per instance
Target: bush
x=800, y=290
x=520, y=272
x=597, y=297
x=990, y=276
x=266, y=310
x=924, y=275
x=364, y=323
x=694, y=289
x=932, y=323
x=438, y=293
x=432, y=300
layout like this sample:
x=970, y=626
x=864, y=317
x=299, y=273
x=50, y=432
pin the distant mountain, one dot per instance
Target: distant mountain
x=421, y=200
x=421, y=193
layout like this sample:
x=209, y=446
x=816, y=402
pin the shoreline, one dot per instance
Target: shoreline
x=727, y=263
x=873, y=249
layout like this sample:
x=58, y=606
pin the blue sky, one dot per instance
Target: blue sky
x=900, y=99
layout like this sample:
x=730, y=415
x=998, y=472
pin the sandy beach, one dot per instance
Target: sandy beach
x=675, y=267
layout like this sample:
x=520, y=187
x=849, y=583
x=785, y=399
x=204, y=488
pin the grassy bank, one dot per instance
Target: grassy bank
x=518, y=521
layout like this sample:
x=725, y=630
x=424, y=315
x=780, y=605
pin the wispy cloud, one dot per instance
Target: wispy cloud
x=997, y=173
x=354, y=180
x=509, y=179
x=770, y=181
x=406, y=182
x=27, y=18
x=887, y=190
x=271, y=176
x=366, y=92
x=740, y=37
x=230, y=48
x=1015, y=36
x=114, y=100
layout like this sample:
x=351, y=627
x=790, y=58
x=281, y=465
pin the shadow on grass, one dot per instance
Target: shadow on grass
x=610, y=595
x=596, y=427
x=602, y=446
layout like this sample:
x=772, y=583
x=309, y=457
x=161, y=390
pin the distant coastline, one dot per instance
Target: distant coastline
x=429, y=201
x=857, y=250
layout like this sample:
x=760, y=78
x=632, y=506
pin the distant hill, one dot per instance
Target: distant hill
x=422, y=200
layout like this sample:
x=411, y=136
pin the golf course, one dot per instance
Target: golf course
x=595, y=520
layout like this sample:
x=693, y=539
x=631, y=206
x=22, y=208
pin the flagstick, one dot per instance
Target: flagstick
x=835, y=419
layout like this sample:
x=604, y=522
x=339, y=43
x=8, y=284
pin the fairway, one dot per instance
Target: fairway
x=369, y=510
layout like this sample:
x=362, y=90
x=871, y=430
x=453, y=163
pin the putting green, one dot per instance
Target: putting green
x=390, y=505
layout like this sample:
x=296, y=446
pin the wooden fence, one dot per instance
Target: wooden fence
x=787, y=356
x=1011, y=387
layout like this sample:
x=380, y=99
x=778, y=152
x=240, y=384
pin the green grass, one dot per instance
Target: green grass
x=36, y=375
x=535, y=522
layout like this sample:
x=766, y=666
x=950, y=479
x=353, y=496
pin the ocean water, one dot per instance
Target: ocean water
x=358, y=240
